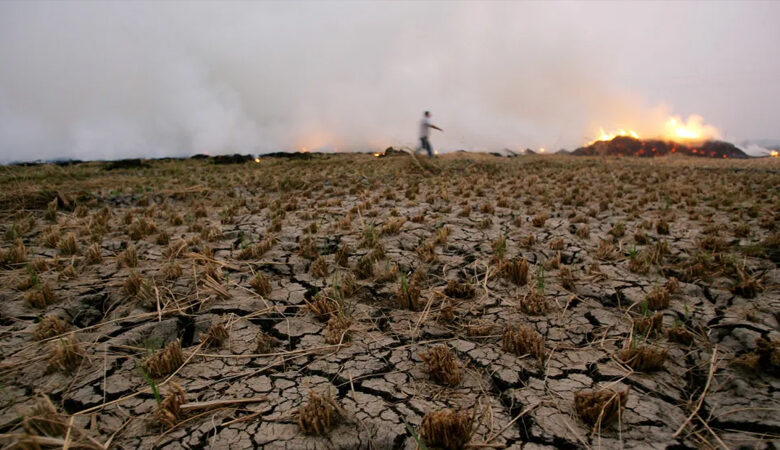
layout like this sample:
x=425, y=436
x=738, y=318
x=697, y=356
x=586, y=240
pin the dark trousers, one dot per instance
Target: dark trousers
x=426, y=144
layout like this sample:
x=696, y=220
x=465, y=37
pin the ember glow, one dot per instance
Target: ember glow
x=774, y=154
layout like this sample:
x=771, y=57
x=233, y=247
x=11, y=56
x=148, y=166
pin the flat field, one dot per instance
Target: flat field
x=348, y=301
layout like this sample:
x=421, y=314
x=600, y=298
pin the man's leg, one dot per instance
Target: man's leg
x=427, y=145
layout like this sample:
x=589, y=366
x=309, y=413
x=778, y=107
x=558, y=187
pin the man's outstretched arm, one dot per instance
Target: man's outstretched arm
x=435, y=127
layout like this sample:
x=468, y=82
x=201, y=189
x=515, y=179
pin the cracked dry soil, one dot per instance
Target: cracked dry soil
x=333, y=275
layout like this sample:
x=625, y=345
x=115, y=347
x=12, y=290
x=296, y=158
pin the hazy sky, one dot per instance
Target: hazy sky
x=100, y=80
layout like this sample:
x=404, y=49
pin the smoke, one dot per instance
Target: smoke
x=121, y=79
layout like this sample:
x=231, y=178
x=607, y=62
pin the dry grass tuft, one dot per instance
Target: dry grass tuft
x=261, y=284
x=459, y=290
x=649, y=325
x=320, y=414
x=68, y=245
x=51, y=238
x=345, y=285
x=94, y=254
x=747, y=286
x=322, y=305
x=257, y=250
x=442, y=365
x=534, y=303
x=539, y=220
x=169, y=411
x=516, y=271
x=364, y=268
x=175, y=249
x=43, y=419
x=600, y=408
x=480, y=328
x=523, y=341
x=408, y=295
x=680, y=335
x=337, y=330
x=216, y=335
x=642, y=358
x=136, y=286
x=17, y=254
x=319, y=268
x=129, y=257
x=265, y=343
x=658, y=298
x=568, y=280
x=447, y=428
x=66, y=354
x=606, y=251
x=41, y=297
x=393, y=226
x=427, y=252
x=172, y=271
x=68, y=273
x=164, y=362
x=672, y=285
x=48, y=327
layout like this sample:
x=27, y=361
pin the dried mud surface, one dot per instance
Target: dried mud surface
x=601, y=239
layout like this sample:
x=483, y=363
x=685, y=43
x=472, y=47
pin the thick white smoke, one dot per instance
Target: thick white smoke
x=122, y=79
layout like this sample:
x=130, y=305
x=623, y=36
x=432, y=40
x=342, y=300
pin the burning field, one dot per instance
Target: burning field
x=350, y=301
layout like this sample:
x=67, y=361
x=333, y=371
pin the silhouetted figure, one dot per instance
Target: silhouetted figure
x=425, y=126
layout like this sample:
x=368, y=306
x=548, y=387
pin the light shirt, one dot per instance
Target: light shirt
x=425, y=126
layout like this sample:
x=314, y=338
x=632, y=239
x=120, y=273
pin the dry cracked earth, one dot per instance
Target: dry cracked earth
x=346, y=301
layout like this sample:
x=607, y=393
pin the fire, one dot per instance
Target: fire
x=376, y=155
x=692, y=130
x=621, y=132
x=774, y=154
x=257, y=160
x=542, y=150
x=674, y=129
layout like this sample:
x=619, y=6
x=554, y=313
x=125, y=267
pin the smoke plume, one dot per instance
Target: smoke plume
x=100, y=80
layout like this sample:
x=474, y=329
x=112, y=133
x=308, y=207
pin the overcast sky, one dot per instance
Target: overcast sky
x=98, y=80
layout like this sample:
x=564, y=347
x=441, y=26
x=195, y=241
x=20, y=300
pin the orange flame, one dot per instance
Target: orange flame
x=692, y=130
x=674, y=129
x=774, y=153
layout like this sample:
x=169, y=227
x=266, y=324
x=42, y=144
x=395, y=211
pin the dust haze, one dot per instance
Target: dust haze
x=113, y=80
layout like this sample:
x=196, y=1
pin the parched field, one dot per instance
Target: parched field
x=347, y=301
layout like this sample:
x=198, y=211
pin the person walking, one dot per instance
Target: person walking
x=425, y=126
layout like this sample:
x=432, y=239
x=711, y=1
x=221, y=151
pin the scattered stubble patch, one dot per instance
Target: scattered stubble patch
x=447, y=428
x=165, y=361
x=319, y=415
x=600, y=408
x=168, y=411
x=643, y=358
x=442, y=365
x=50, y=326
x=523, y=340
